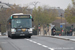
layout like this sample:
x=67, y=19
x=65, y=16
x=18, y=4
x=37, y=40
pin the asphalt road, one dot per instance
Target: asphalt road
x=35, y=43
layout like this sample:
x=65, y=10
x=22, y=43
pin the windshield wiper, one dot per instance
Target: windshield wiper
x=26, y=27
x=20, y=26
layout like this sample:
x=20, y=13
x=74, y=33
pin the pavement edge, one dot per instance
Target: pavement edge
x=59, y=38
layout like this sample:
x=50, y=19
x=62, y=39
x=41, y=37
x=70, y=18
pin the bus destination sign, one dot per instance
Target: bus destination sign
x=21, y=16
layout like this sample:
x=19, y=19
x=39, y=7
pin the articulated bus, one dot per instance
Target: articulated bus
x=20, y=25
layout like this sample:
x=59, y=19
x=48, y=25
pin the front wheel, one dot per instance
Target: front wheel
x=8, y=36
x=29, y=36
x=12, y=37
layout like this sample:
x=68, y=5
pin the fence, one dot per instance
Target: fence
x=65, y=32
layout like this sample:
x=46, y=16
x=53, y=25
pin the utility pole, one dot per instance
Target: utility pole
x=65, y=26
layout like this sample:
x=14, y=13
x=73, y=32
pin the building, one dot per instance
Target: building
x=59, y=11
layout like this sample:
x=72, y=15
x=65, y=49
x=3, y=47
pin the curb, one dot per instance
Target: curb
x=1, y=48
x=72, y=40
x=60, y=38
x=64, y=38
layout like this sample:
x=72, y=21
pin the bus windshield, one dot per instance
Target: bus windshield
x=21, y=23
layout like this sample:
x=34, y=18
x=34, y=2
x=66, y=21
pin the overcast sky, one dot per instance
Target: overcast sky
x=52, y=3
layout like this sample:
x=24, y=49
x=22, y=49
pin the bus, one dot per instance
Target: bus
x=20, y=25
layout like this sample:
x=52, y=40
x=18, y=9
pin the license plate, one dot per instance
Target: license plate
x=22, y=34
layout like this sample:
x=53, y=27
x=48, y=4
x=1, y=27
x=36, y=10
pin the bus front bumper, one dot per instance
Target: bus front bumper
x=22, y=34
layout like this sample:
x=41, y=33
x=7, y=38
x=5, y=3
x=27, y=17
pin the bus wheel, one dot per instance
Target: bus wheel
x=8, y=35
x=29, y=36
x=12, y=37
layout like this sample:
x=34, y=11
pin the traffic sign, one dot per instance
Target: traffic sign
x=61, y=26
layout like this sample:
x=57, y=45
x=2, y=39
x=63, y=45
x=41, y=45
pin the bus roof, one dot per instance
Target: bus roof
x=20, y=14
x=17, y=14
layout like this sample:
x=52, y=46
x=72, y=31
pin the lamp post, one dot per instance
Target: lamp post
x=61, y=22
x=65, y=25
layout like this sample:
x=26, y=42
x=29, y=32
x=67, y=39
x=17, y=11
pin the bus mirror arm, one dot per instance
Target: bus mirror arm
x=32, y=19
x=10, y=21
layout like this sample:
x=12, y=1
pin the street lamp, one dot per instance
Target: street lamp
x=61, y=22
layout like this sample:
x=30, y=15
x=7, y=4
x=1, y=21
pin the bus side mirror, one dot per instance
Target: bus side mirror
x=10, y=21
x=32, y=19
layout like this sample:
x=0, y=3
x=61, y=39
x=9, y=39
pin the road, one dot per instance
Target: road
x=35, y=43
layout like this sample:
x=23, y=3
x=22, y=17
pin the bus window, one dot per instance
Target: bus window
x=18, y=21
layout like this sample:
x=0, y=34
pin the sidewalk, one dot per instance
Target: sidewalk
x=70, y=38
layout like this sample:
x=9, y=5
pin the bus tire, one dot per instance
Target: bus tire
x=12, y=37
x=8, y=35
x=29, y=36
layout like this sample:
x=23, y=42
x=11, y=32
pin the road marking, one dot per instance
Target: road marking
x=30, y=40
x=34, y=42
x=3, y=42
x=27, y=39
x=45, y=46
x=51, y=48
x=14, y=46
x=40, y=44
x=0, y=49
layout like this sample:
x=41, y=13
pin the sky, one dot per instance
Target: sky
x=52, y=3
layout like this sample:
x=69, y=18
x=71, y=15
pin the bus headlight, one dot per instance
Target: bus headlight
x=30, y=30
x=13, y=30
